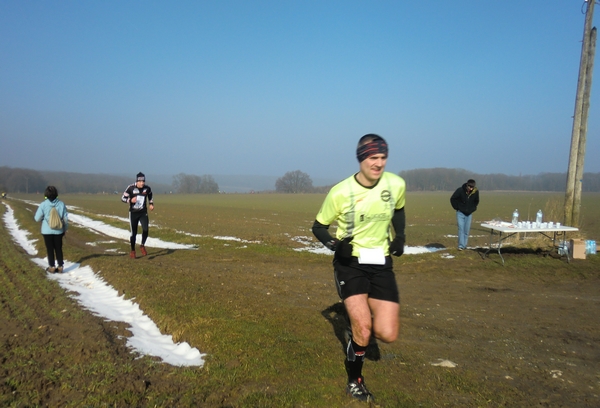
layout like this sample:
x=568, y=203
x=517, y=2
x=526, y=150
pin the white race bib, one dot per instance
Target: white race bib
x=139, y=202
x=371, y=256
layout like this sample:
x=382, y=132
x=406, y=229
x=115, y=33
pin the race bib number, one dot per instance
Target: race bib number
x=139, y=202
x=371, y=256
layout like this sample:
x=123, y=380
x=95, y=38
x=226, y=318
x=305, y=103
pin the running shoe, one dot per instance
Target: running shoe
x=143, y=249
x=132, y=254
x=51, y=269
x=358, y=390
x=59, y=269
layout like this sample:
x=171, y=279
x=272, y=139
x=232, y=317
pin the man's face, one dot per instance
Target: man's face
x=373, y=166
x=140, y=183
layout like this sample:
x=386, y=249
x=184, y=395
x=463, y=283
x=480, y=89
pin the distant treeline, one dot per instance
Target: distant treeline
x=17, y=180
x=442, y=179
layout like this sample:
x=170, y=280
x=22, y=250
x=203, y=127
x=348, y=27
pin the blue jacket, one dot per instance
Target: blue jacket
x=43, y=214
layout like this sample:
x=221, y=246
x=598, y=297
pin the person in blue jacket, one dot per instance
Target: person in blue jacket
x=53, y=237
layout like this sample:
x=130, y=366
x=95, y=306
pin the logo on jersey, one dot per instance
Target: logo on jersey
x=386, y=195
x=374, y=217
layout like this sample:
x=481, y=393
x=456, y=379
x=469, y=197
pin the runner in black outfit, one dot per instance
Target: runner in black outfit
x=139, y=197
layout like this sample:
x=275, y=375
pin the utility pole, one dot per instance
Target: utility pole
x=578, y=135
x=583, y=133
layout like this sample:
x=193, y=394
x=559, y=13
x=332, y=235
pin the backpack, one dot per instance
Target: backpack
x=54, y=221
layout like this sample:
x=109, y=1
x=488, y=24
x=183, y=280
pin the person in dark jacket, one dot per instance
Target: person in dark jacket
x=139, y=198
x=53, y=237
x=465, y=201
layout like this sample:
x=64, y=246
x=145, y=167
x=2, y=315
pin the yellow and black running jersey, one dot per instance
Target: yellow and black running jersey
x=364, y=213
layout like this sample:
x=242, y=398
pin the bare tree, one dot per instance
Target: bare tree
x=192, y=184
x=294, y=182
x=184, y=183
x=18, y=180
x=208, y=185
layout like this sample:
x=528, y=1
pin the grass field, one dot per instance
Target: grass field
x=267, y=216
x=269, y=319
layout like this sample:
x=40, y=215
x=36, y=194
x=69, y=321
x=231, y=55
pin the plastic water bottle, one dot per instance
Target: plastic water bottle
x=538, y=219
x=515, y=218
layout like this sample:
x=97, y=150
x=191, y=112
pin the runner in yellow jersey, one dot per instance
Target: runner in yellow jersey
x=369, y=210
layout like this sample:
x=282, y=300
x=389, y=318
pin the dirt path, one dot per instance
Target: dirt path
x=540, y=336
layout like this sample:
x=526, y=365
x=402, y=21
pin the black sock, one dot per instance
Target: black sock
x=354, y=360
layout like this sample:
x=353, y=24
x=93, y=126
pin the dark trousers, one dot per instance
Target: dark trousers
x=54, y=246
x=135, y=218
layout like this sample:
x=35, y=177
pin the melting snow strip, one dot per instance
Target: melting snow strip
x=94, y=294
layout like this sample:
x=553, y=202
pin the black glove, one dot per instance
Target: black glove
x=397, y=246
x=343, y=249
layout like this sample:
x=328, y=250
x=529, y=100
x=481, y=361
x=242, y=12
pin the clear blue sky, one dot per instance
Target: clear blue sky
x=266, y=87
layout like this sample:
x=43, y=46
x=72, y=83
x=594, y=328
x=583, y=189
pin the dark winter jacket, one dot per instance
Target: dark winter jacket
x=143, y=197
x=464, y=202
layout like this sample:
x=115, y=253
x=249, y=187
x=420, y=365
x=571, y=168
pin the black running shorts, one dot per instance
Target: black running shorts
x=378, y=281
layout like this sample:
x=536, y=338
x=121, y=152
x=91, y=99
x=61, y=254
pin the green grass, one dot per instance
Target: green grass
x=255, y=308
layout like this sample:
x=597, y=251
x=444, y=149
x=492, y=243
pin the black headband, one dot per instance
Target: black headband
x=378, y=146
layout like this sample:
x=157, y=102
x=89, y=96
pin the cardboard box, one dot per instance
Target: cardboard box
x=577, y=249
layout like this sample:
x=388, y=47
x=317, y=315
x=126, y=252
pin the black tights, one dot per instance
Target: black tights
x=54, y=245
x=134, y=219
